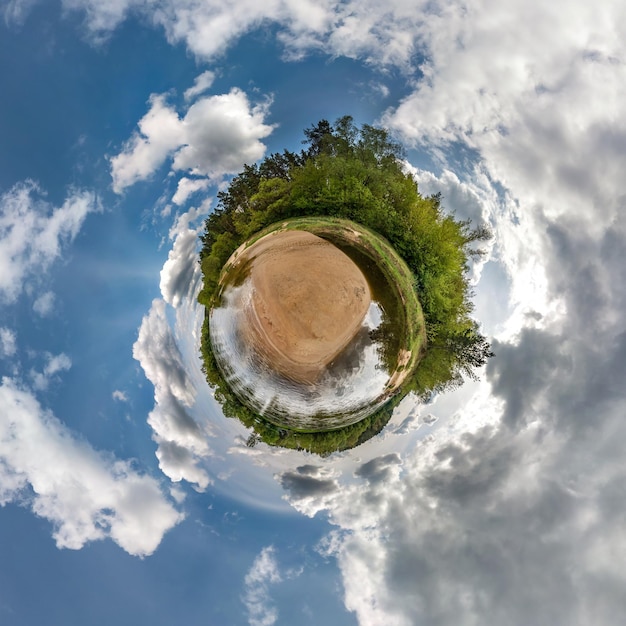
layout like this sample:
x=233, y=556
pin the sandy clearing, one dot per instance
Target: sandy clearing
x=309, y=300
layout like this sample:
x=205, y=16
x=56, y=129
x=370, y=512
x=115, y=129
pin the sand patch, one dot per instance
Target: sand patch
x=308, y=301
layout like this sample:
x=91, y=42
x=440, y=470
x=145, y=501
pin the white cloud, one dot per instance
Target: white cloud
x=416, y=418
x=120, y=396
x=216, y=136
x=54, y=364
x=263, y=573
x=398, y=32
x=57, y=363
x=187, y=187
x=33, y=233
x=181, y=272
x=182, y=443
x=85, y=494
x=44, y=304
x=160, y=133
x=223, y=133
x=202, y=83
x=536, y=108
x=102, y=17
x=379, y=33
x=7, y=342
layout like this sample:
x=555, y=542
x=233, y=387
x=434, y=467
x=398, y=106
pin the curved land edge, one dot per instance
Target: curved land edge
x=346, y=233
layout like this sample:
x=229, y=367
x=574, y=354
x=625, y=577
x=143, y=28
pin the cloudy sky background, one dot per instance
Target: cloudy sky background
x=127, y=496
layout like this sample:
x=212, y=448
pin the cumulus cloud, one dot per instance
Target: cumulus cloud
x=85, y=494
x=160, y=133
x=187, y=187
x=226, y=132
x=33, y=233
x=181, y=441
x=536, y=109
x=263, y=573
x=380, y=469
x=181, y=272
x=502, y=525
x=310, y=488
x=216, y=136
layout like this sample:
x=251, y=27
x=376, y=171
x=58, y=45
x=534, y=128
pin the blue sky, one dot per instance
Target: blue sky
x=127, y=496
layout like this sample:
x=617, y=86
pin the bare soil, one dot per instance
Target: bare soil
x=308, y=301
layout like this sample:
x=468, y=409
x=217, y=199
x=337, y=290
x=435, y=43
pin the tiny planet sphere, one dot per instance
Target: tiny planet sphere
x=304, y=329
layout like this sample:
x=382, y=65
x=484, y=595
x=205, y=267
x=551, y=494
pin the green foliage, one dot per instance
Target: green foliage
x=357, y=173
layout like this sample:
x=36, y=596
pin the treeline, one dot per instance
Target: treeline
x=356, y=173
